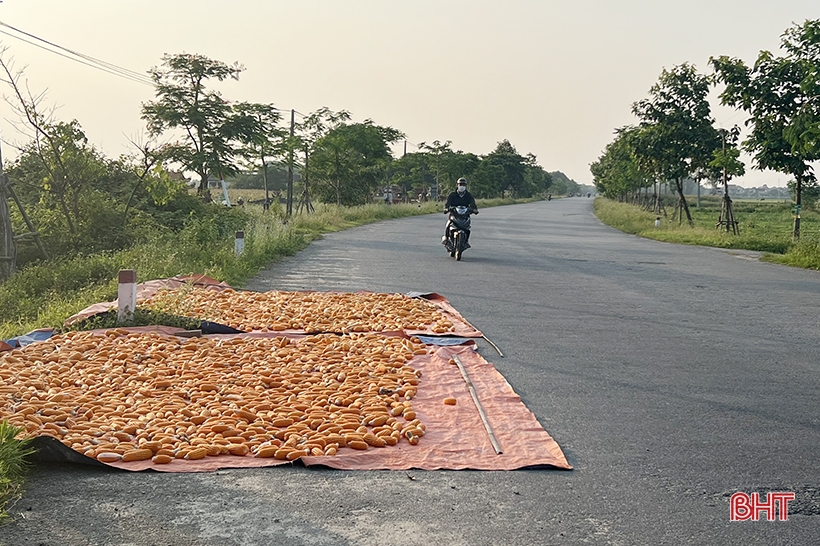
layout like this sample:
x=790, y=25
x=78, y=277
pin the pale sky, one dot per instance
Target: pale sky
x=554, y=78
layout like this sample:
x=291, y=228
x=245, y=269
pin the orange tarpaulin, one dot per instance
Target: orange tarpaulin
x=456, y=437
x=461, y=327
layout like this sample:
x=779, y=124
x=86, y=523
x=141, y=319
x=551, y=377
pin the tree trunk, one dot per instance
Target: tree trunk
x=798, y=191
x=204, y=191
x=265, y=181
x=130, y=200
x=684, y=204
x=338, y=182
x=7, y=250
x=655, y=198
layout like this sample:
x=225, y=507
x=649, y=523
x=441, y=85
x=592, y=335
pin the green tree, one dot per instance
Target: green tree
x=306, y=133
x=677, y=136
x=562, y=184
x=72, y=192
x=501, y=170
x=726, y=159
x=780, y=94
x=446, y=165
x=618, y=172
x=214, y=133
x=409, y=172
x=536, y=179
x=349, y=162
x=150, y=173
x=264, y=138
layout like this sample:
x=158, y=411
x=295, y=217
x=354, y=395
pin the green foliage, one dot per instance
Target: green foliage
x=676, y=136
x=780, y=96
x=13, y=464
x=562, y=184
x=65, y=185
x=619, y=170
x=350, y=161
x=437, y=162
x=140, y=317
x=810, y=195
x=96, y=201
x=446, y=165
x=500, y=170
x=218, y=134
x=726, y=159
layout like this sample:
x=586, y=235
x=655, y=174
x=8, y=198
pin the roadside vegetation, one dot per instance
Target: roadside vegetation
x=14, y=465
x=763, y=226
x=676, y=139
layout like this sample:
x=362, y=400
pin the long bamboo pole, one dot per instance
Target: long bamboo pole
x=478, y=405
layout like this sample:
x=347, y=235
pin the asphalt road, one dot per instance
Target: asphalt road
x=672, y=377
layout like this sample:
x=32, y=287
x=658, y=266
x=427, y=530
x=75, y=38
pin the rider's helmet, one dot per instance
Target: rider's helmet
x=461, y=185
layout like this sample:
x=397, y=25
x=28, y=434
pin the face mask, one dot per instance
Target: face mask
x=462, y=189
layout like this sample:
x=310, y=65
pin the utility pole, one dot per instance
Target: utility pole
x=305, y=200
x=266, y=206
x=290, y=163
x=7, y=238
x=7, y=251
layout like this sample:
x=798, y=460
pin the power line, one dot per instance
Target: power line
x=78, y=57
x=93, y=62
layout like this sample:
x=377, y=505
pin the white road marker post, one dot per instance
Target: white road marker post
x=239, y=247
x=126, y=295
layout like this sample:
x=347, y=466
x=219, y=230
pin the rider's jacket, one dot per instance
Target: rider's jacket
x=464, y=200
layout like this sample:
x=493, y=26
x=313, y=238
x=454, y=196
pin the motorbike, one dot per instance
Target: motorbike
x=458, y=231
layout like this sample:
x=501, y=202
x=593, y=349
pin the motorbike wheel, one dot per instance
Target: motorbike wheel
x=459, y=245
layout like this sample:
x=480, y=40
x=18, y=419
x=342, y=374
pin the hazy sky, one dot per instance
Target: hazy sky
x=554, y=78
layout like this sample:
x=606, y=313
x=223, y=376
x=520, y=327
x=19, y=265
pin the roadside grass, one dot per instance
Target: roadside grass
x=764, y=226
x=14, y=465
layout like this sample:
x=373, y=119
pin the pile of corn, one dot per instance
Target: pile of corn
x=311, y=312
x=122, y=396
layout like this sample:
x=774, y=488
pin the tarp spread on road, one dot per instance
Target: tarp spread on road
x=456, y=437
x=22, y=341
x=461, y=327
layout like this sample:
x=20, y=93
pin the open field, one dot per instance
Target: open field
x=764, y=226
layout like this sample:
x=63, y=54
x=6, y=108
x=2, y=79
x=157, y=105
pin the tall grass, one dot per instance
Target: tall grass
x=13, y=464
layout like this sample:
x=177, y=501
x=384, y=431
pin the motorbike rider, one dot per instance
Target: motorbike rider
x=460, y=198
